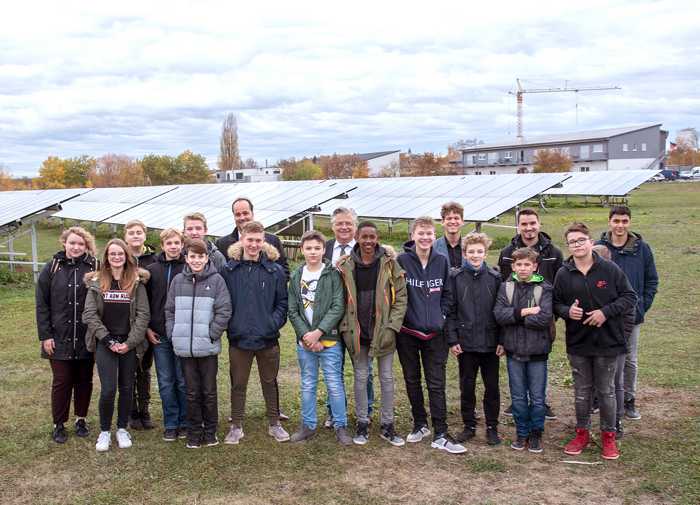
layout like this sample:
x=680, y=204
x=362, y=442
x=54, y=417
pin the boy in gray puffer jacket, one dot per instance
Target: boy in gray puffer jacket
x=196, y=315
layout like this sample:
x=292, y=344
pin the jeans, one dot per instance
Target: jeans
x=241, y=361
x=620, y=387
x=528, y=387
x=370, y=386
x=631, y=363
x=202, y=399
x=115, y=370
x=171, y=384
x=330, y=360
x=433, y=355
x=469, y=364
x=599, y=372
x=361, y=364
x=142, y=382
x=70, y=378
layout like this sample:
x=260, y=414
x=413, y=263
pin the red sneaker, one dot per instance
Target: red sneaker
x=578, y=444
x=610, y=450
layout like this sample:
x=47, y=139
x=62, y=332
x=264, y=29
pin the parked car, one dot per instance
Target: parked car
x=693, y=173
x=658, y=178
x=670, y=175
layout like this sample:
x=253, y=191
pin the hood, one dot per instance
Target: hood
x=209, y=270
x=571, y=266
x=91, y=279
x=469, y=268
x=162, y=259
x=543, y=241
x=631, y=246
x=409, y=248
x=536, y=278
x=235, y=251
x=357, y=255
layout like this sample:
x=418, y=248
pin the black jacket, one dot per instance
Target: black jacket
x=225, y=242
x=148, y=257
x=604, y=287
x=163, y=272
x=429, y=295
x=470, y=320
x=548, y=263
x=60, y=300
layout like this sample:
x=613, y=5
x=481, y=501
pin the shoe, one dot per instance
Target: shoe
x=103, y=441
x=278, y=433
x=619, y=431
x=477, y=416
x=549, y=414
x=234, y=435
x=579, y=443
x=444, y=442
x=609, y=450
x=534, y=441
x=211, y=440
x=328, y=423
x=630, y=411
x=342, y=436
x=182, y=433
x=466, y=434
x=170, y=435
x=361, y=434
x=418, y=433
x=388, y=433
x=81, y=428
x=194, y=443
x=123, y=438
x=59, y=435
x=304, y=433
x=509, y=411
x=519, y=444
x=135, y=421
x=282, y=416
x=146, y=421
x=492, y=437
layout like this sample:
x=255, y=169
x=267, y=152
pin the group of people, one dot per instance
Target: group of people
x=352, y=294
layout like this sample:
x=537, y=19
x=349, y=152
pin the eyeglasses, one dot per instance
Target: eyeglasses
x=578, y=242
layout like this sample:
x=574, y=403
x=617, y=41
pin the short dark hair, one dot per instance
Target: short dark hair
x=620, y=210
x=367, y=224
x=525, y=253
x=577, y=227
x=312, y=235
x=197, y=246
x=528, y=212
x=242, y=199
x=452, y=207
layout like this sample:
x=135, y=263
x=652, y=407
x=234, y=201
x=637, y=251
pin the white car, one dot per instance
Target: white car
x=693, y=173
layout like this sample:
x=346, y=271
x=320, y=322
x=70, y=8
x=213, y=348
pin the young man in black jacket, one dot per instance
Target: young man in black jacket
x=422, y=337
x=592, y=295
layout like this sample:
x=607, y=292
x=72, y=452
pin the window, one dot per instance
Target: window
x=597, y=148
x=644, y=146
x=522, y=156
x=239, y=175
x=585, y=151
x=507, y=155
x=493, y=157
x=482, y=157
x=492, y=172
x=634, y=147
x=585, y=169
x=474, y=159
x=625, y=148
x=228, y=176
x=477, y=173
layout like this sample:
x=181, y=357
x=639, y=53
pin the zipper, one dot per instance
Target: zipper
x=75, y=309
x=194, y=293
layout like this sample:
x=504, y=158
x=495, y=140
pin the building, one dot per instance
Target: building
x=381, y=163
x=244, y=174
x=624, y=148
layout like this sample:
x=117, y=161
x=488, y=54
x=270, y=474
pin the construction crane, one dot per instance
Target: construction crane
x=520, y=92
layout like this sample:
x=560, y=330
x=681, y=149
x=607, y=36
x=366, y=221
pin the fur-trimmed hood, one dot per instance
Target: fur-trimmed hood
x=235, y=251
x=382, y=250
x=91, y=279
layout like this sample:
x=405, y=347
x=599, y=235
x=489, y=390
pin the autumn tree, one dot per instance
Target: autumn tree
x=250, y=164
x=190, y=168
x=6, y=182
x=157, y=169
x=551, y=160
x=684, y=155
x=343, y=166
x=423, y=165
x=303, y=170
x=76, y=171
x=229, y=158
x=52, y=173
x=117, y=170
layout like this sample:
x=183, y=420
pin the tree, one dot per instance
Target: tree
x=250, y=164
x=52, y=173
x=684, y=155
x=423, y=165
x=229, y=159
x=360, y=170
x=76, y=171
x=157, y=169
x=343, y=166
x=6, y=182
x=191, y=168
x=551, y=160
x=303, y=170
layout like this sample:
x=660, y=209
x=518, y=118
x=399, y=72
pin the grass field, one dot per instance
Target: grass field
x=660, y=460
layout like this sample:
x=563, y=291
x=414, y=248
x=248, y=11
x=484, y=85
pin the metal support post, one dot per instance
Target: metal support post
x=35, y=255
x=11, y=250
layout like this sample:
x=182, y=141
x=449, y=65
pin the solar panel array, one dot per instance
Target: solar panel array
x=608, y=183
x=17, y=205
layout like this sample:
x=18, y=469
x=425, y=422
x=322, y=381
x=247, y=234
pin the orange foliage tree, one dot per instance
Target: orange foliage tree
x=551, y=160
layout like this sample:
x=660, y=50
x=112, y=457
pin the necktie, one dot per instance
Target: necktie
x=343, y=249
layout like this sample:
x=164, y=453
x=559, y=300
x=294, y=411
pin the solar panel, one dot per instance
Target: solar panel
x=16, y=205
x=103, y=203
x=603, y=183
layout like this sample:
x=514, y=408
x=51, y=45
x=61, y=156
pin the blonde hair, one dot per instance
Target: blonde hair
x=476, y=238
x=82, y=233
x=252, y=227
x=170, y=232
x=195, y=216
x=130, y=274
x=135, y=222
x=422, y=221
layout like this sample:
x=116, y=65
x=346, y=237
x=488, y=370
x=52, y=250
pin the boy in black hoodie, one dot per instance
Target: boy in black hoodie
x=422, y=337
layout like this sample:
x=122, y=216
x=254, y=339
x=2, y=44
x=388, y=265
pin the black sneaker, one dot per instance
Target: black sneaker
x=492, y=437
x=170, y=435
x=182, y=433
x=146, y=421
x=465, y=435
x=135, y=421
x=519, y=444
x=211, y=440
x=534, y=441
x=361, y=434
x=619, y=431
x=59, y=435
x=388, y=433
x=630, y=411
x=509, y=411
x=549, y=413
x=81, y=429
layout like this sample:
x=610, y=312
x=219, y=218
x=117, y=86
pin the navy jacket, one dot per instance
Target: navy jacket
x=258, y=292
x=224, y=244
x=637, y=261
x=548, y=263
x=429, y=295
x=163, y=271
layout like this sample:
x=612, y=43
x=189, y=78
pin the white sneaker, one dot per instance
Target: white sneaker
x=418, y=434
x=234, y=435
x=278, y=433
x=446, y=444
x=123, y=438
x=103, y=441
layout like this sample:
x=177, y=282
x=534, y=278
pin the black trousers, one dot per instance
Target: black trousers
x=142, y=384
x=432, y=354
x=469, y=365
x=202, y=400
x=71, y=378
x=115, y=370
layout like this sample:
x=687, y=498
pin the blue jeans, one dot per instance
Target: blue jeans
x=330, y=360
x=171, y=385
x=370, y=386
x=528, y=387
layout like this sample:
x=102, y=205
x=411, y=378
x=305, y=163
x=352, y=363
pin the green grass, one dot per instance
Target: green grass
x=659, y=463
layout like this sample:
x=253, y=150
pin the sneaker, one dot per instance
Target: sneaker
x=135, y=421
x=418, y=433
x=519, y=444
x=630, y=411
x=182, y=433
x=170, y=435
x=282, y=416
x=579, y=443
x=361, y=434
x=328, y=423
x=342, y=436
x=465, y=434
x=304, y=433
x=146, y=421
x=103, y=441
x=444, y=442
x=81, y=429
x=609, y=450
x=388, y=433
x=59, y=435
x=619, y=431
x=211, y=440
x=509, y=411
x=492, y=437
x=534, y=441
x=234, y=435
x=123, y=438
x=194, y=443
x=549, y=414
x=278, y=433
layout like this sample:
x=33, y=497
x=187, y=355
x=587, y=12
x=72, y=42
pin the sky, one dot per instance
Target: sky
x=307, y=78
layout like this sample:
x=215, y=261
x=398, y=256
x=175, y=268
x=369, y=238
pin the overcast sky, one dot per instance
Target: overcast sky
x=311, y=78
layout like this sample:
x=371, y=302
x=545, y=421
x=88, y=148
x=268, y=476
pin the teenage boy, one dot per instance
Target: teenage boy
x=524, y=312
x=194, y=227
x=375, y=289
x=422, y=338
x=140, y=417
x=316, y=306
x=472, y=334
x=592, y=295
x=171, y=380
x=549, y=260
x=197, y=312
x=634, y=256
x=450, y=245
x=258, y=289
